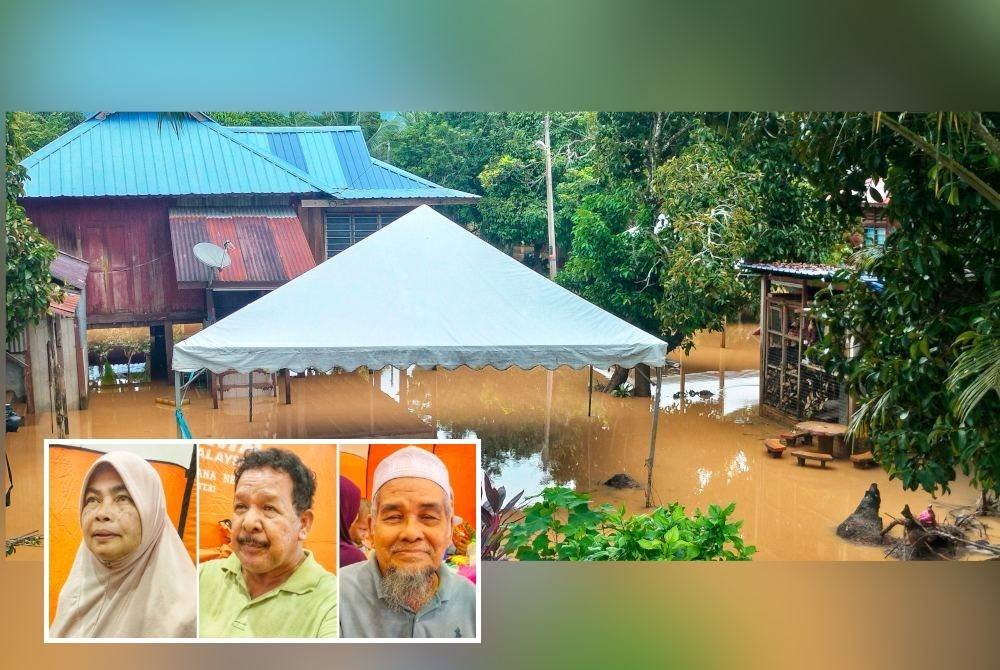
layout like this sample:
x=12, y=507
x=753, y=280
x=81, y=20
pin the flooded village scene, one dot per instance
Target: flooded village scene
x=678, y=336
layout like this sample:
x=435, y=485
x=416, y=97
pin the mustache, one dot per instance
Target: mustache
x=406, y=547
x=251, y=541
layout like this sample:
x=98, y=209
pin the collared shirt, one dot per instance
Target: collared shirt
x=451, y=612
x=305, y=605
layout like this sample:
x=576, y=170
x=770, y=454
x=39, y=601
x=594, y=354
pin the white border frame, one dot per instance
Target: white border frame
x=477, y=444
x=335, y=445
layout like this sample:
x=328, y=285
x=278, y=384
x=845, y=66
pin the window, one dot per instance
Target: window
x=345, y=230
x=874, y=236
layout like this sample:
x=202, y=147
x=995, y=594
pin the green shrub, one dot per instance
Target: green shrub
x=563, y=526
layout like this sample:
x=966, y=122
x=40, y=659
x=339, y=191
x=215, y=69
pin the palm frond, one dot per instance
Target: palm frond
x=981, y=362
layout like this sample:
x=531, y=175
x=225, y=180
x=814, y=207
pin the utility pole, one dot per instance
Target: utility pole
x=550, y=206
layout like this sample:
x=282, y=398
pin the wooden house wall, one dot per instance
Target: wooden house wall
x=875, y=217
x=314, y=225
x=127, y=243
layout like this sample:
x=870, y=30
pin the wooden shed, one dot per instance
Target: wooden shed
x=792, y=386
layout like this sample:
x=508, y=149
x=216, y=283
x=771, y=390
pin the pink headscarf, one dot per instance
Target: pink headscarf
x=350, y=503
x=149, y=593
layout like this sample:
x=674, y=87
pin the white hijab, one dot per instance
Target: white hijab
x=149, y=593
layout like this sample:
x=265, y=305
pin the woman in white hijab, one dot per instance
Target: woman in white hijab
x=132, y=576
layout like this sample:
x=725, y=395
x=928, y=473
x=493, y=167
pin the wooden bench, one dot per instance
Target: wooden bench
x=793, y=437
x=774, y=447
x=804, y=456
x=863, y=460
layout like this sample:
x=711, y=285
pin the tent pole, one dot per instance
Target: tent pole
x=250, y=395
x=590, y=390
x=178, y=398
x=652, y=439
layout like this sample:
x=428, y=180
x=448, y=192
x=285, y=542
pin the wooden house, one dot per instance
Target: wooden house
x=132, y=193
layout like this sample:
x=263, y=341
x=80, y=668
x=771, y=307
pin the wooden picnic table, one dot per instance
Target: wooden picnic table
x=829, y=437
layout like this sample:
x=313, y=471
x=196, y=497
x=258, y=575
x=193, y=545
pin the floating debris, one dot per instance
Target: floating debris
x=623, y=481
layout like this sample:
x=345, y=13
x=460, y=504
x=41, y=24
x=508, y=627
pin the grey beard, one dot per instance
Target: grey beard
x=401, y=587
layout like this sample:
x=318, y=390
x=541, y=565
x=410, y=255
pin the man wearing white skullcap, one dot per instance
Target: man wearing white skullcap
x=404, y=590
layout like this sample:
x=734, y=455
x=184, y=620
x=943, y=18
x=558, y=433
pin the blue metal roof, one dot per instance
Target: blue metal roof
x=142, y=154
x=338, y=157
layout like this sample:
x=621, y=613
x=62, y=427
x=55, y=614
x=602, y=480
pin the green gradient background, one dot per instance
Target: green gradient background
x=583, y=54
x=520, y=54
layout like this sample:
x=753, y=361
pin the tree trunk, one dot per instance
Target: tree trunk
x=987, y=504
x=58, y=379
x=618, y=377
x=916, y=535
x=864, y=524
x=642, y=385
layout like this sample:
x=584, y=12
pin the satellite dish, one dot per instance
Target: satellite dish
x=212, y=255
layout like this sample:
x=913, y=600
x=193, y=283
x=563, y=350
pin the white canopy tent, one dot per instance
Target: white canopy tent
x=422, y=291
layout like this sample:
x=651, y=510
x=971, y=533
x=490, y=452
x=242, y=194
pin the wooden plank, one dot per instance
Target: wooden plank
x=168, y=343
x=82, y=400
x=802, y=324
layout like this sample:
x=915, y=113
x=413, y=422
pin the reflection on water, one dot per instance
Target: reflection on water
x=535, y=433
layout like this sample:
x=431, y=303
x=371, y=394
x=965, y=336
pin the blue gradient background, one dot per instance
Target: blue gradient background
x=584, y=54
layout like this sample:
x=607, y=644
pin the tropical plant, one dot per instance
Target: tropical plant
x=497, y=515
x=623, y=391
x=564, y=526
x=922, y=366
x=975, y=374
x=29, y=254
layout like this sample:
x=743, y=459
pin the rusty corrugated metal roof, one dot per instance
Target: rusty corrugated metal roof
x=66, y=307
x=268, y=248
x=789, y=269
x=69, y=269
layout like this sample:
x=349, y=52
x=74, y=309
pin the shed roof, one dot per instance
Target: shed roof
x=67, y=306
x=808, y=271
x=268, y=244
x=69, y=269
x=793, y=269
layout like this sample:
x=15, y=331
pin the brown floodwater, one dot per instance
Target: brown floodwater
x=535, y=432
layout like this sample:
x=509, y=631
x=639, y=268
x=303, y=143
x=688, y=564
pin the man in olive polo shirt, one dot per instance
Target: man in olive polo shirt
x=270, y=586
x=405, y=590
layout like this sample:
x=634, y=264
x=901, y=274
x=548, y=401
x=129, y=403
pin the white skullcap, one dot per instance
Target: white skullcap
x=412, y=462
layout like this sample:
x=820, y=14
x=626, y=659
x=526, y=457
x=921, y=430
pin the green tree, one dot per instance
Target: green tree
x=615, y=258
x=710, y=214
x=369, y=121
x=924, y=339
x=496, y=155
x=36, y=129
x=29, y=254
x=678, y=202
